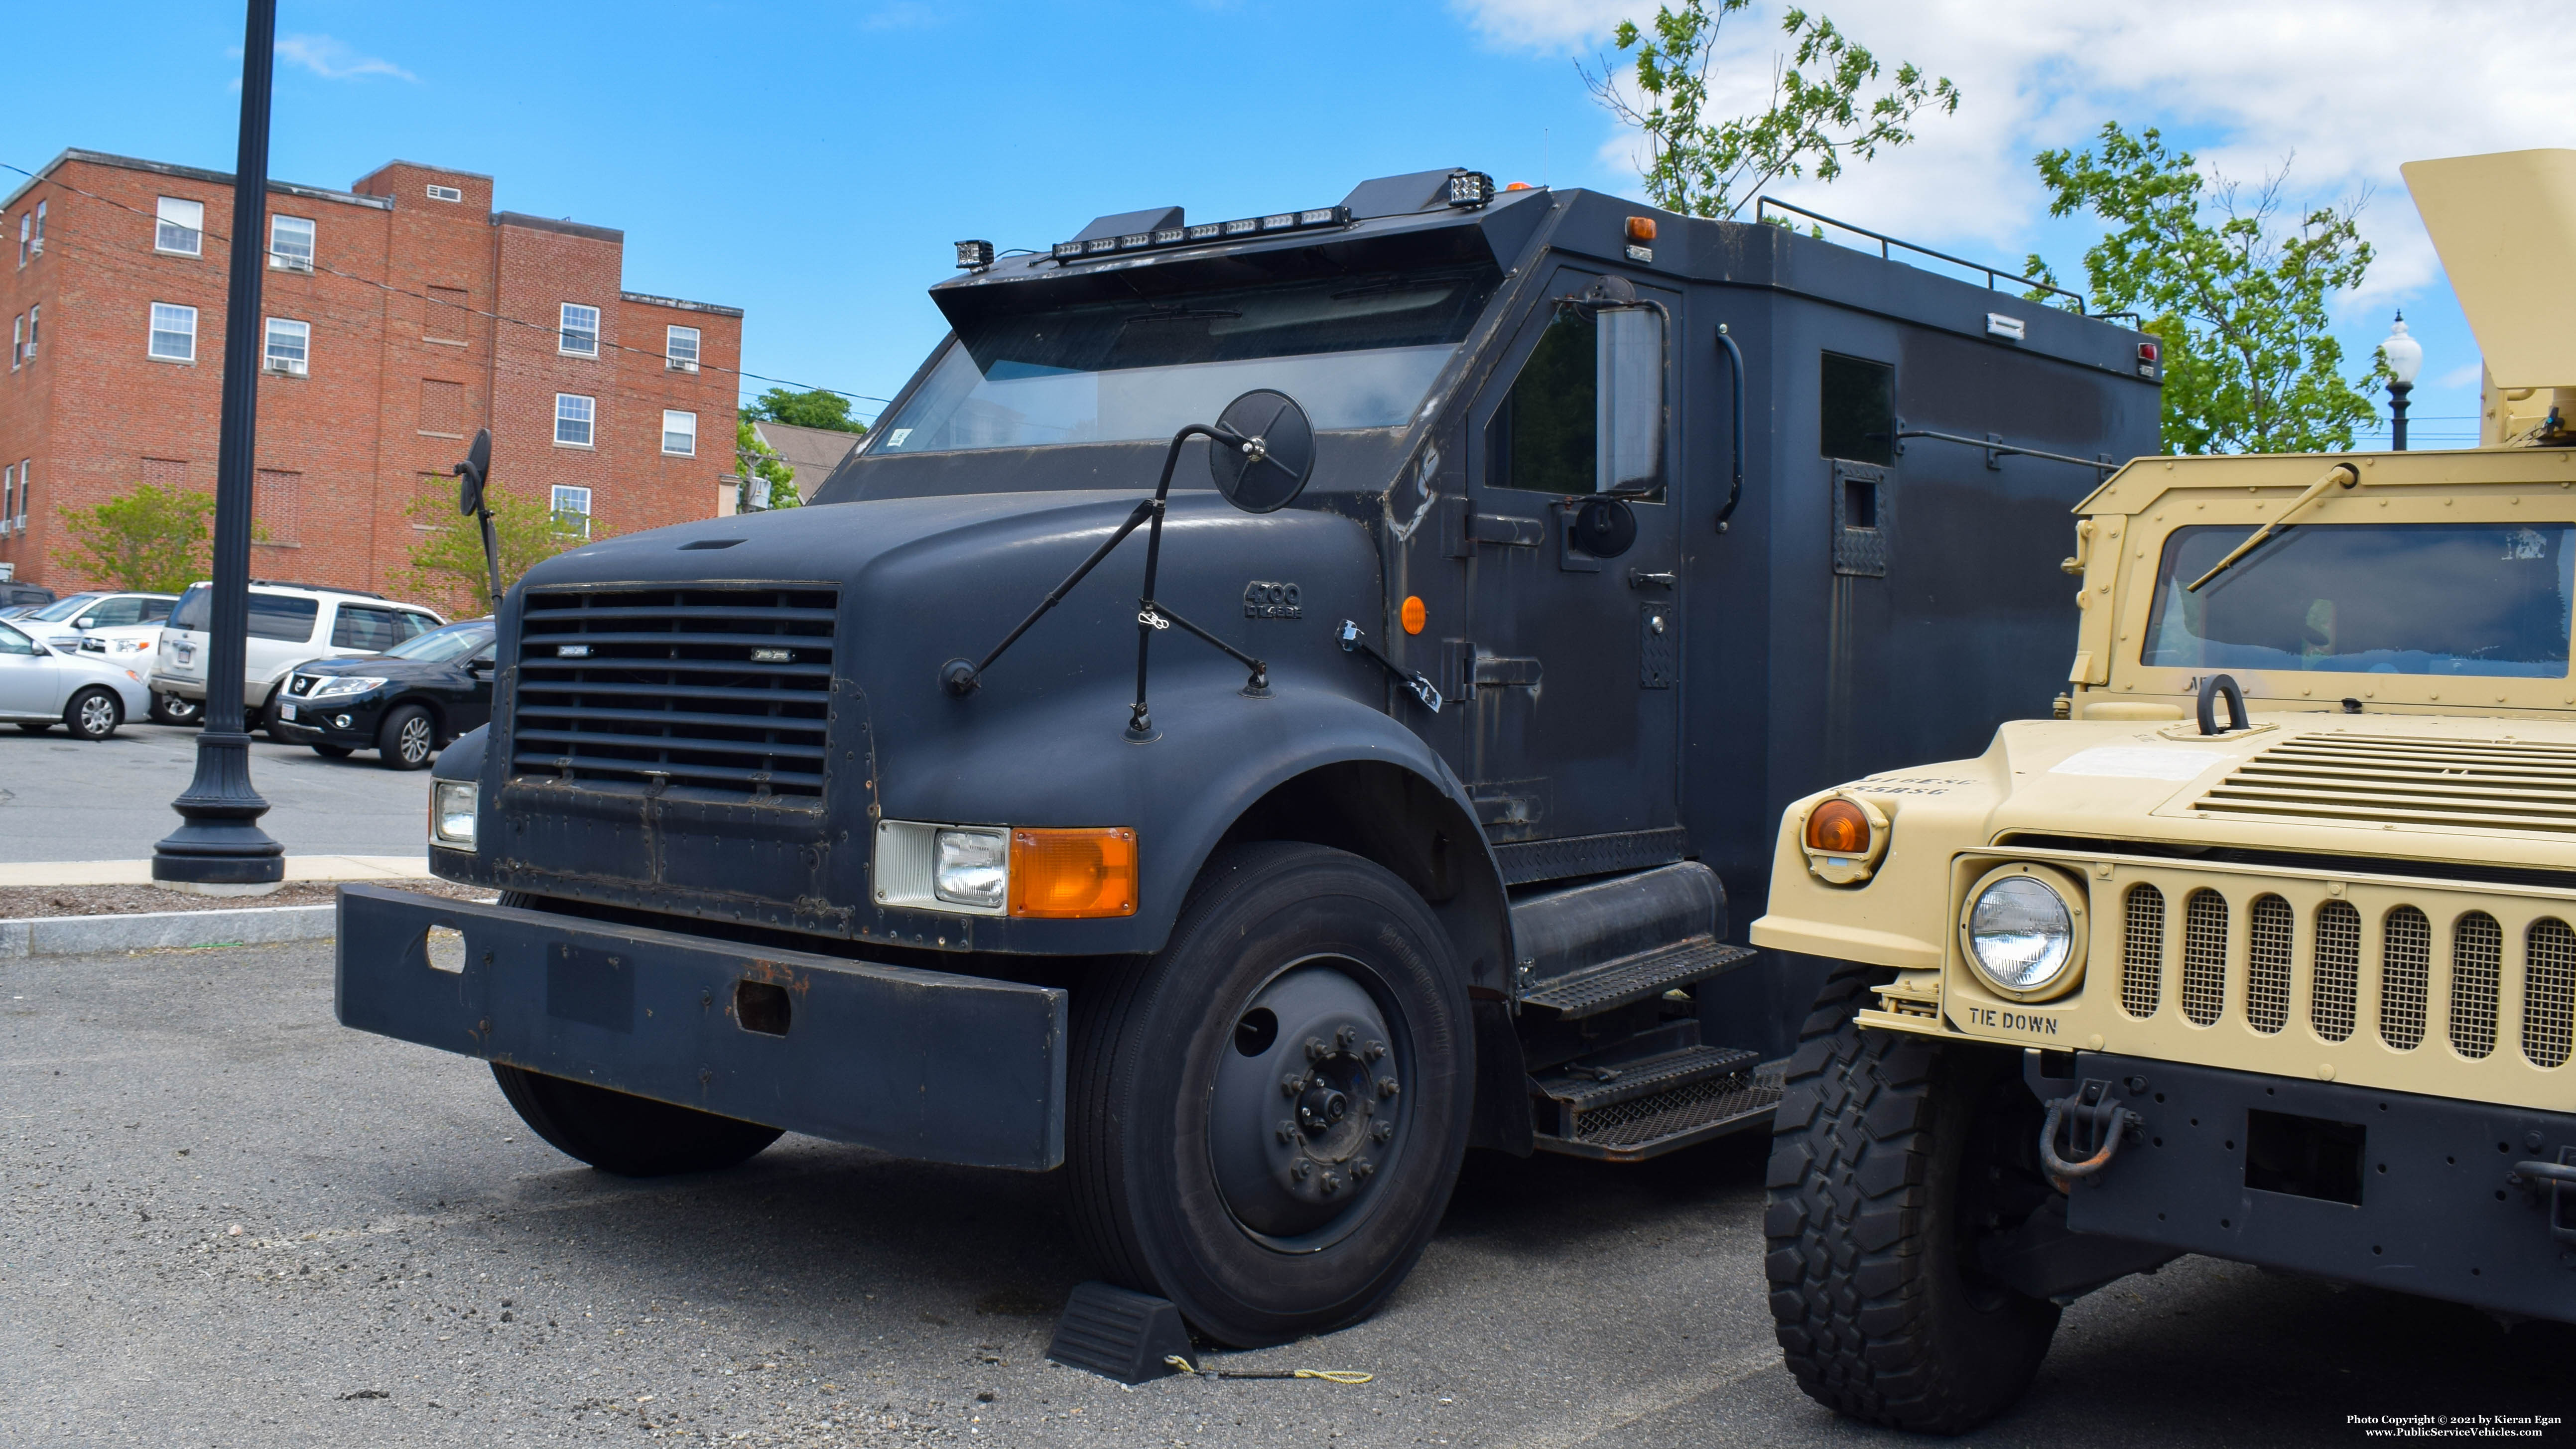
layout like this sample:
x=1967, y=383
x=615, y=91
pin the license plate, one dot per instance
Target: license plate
x=286, y=711
x=187, y=654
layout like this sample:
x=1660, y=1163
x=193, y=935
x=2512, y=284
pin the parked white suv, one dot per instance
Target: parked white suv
x=123, y=624
x=290, y=624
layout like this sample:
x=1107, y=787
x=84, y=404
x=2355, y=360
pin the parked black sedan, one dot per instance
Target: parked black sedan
x=405, y=704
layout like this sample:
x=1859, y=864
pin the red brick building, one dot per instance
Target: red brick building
x=401, y=315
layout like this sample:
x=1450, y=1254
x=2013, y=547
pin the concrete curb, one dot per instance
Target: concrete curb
x=141, y=931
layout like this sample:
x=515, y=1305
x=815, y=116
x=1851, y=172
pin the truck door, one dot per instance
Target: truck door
x=1571, y=660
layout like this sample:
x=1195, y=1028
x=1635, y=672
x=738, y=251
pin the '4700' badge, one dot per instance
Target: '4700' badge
x=1271, y=601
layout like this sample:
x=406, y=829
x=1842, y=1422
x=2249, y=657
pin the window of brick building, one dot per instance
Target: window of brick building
x=181, y=227
x=447, y=314
x=8, y=499
x=290, y=243
x=572, y=510
x=680, y=345
x=574, y=415
x=17, y=341
x=277, y=507
x=580, y=331
x=174, y=332
x=289, y=347
x=40, y=231
x=35, y=325
x=442, y=408
x=445, y=193
x=170, y=475
x=26, y=229
x=680, y=434
x=26, y=485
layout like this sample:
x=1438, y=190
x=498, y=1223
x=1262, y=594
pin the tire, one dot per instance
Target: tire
x=332, y=752
x=1888, y=1154
x=624, y=1135
x=94, y=713
x=1188, y=1175
x=170, y=709
x=407, y=740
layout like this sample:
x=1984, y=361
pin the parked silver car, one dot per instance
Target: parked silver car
x=41, y=687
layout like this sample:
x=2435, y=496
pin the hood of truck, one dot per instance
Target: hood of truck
x=612, y=775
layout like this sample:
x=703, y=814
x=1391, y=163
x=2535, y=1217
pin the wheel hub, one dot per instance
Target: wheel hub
x=1299, y=1127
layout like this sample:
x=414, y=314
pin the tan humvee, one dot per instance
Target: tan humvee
x=2288, y=980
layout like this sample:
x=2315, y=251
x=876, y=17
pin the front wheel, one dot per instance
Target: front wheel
x=1891, y=1158
x=94, y=713
x=1267, y=1116
x=407, y=740
x=626, y=1135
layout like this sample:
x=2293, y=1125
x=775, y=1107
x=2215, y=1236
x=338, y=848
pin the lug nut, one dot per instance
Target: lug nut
x=1373, y=1050
x=1331, y=1184
x=1287, y=1132
x=1291, y=1085
x=1386, y=1087
x=1345, y=1037
x=1382, y=1131
x=1304, y=1167
x=1361, y=1169
x=1315, y=1049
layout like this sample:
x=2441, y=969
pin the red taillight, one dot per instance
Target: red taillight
x=2147, y=352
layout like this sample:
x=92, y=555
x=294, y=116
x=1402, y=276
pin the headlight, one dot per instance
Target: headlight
x=129, y=646
x=2023, y=932
x=343, y=685
x=451, y=813
x=971, y=867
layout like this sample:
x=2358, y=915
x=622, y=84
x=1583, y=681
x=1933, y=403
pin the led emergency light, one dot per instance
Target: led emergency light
x=1470, y=188
x=974, y=256
x=1173, y=236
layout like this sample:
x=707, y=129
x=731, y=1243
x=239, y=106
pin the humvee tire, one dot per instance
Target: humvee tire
x=1265, y=1118
x=625, y=1135
x=1880, y=1142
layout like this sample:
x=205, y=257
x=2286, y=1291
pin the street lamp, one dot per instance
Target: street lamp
x=2405, y=358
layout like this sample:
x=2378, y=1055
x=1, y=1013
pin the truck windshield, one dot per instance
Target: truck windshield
x=2424, y=598
x=1356, y=352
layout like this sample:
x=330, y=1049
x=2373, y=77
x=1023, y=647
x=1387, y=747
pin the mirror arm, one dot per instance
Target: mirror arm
x=1257, y=686
x=1734, y=490
x=962, y=678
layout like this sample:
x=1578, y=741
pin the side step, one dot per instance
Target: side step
x=1614, y=984
x=1654, y=1105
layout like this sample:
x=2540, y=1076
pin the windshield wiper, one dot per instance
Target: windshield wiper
x=2341, y=473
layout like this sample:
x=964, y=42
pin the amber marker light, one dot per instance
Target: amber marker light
x=1641, y=228
x=1838, y=827
x=1073, y=874
x=1415, y=615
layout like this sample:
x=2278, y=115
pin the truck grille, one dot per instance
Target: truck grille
x=2334, y=777
x=710, y=690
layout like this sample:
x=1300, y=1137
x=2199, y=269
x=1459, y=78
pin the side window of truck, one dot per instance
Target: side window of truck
x=282, y=616
x=1586, y=412
x=368, y=629
x=1857, y=410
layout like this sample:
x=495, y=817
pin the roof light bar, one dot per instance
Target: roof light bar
x=1172, y=236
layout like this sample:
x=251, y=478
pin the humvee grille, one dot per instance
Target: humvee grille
x=2204, y=957
x=2267, y=965
x=2405, y=972
x=712, y=690
x=2384, y=780
x=2477, y=961
x=2338, y=970
x=2142, y=952
x=2548, y=993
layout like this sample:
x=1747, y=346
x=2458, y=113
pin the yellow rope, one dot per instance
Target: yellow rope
x=1336, y=1376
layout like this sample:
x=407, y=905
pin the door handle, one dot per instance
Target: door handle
x=1639, y=578
x=1502, y=528
x=1505, y=669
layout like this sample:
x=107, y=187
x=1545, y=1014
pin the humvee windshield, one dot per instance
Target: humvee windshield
x=1357, y=352
x=2426, y=598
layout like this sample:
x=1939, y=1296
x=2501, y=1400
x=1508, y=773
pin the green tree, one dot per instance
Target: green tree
x=149, y=538
x=2236, y=297
x=814, y=409
x=759, y=460
x=447, y=560
x=1715, y=168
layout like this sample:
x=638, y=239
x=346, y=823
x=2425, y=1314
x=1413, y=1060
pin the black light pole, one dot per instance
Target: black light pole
x=2404, y=357
x=219, y=848
x=2397, y=392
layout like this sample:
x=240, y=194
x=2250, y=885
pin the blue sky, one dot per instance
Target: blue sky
x=812, y=162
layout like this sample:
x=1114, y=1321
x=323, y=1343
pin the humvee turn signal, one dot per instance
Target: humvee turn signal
x=1838, y=826
x=1073, y=874
x=1844, y=837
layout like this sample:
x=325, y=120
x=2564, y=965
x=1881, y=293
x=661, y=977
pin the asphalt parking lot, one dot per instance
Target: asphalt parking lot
x=67, y=799
x=224, y=1220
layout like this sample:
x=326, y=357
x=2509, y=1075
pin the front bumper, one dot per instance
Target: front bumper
x=2389, y=1189
x=924, y=1064
x=314, y=723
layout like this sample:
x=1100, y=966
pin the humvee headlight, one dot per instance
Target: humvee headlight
x=2023, y=933
x=971, y=867
x=451, y=814
x=1844, y=836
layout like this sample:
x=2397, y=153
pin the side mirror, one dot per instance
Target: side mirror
x=1631, y=400
x=84, y=622
x=471, y=472
x=1268, y=468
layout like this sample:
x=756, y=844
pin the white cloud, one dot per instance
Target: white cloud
x=333, y=60
x=2350, y=87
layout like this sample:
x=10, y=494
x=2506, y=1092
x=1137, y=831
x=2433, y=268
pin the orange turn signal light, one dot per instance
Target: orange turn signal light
x=1073, y=874
x=1641, y=228
x=1415, y=614
x=1837, y=827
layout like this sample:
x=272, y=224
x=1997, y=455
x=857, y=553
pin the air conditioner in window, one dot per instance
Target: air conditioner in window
x=684, y=364
x=290, y=264
x=291, y=366
x=36, y=248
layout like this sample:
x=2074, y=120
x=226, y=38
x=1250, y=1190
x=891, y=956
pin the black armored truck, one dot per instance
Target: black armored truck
x=1273, y=704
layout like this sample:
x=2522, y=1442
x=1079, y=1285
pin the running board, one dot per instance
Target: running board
x=1613, y=984
x=1656, y=1105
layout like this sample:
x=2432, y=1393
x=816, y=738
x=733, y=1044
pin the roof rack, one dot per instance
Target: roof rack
x=1763, y=206
x=318, y=588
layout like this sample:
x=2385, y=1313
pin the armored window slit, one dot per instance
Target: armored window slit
x=2204, y=957
x=2336, y=986
x=2405, y=976
x=2548, y=993
x=2268, y=931
x=2142, y=951
x=2477, y=961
